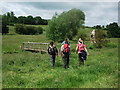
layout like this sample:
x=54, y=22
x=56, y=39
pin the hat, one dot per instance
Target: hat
x=80, y=40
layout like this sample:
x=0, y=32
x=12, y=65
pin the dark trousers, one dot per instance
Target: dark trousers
x=52, y=60
x=80, y=59
x=65, y=58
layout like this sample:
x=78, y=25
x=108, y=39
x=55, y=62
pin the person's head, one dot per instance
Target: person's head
x=80, y=40
x=51, y=43
x=66, y=39
x=66, y=42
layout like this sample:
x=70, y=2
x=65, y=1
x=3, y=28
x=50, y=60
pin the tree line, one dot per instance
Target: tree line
x=64, y=25
x=67, y=24
x=10, y=18
x=113, y=29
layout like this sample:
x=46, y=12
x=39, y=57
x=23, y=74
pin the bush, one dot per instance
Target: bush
x=39, y=30
x=100, y=38
x=19, y=28
x=5, y=29
x=28, y=30
x=81, y=34
x=11, y=24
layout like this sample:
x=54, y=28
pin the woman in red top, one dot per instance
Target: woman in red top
x=81, y=50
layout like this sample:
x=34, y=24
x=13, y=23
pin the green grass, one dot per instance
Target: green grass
x=23, y=69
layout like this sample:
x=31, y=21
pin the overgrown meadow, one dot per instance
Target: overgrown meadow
x=24, y=69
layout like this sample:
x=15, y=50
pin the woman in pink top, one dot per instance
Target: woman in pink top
x=81, y=50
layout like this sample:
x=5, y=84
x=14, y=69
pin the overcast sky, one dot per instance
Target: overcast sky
x=96, y=13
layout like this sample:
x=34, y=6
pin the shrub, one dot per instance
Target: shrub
x=81, y=34
x=39, y=30
x=5, y=29
x=100, y=38
x=28, y=30
x=11, y=24
x=19, y=28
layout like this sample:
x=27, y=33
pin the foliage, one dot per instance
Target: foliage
x=32, y=20
x=97, y=27
x=5, y=29
x=28, y=30
x=11, y=18
x=113, y=30
x=82, y=34
x=100, y=38
x=65, y=25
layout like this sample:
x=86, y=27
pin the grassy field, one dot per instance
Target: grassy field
x=23, y=69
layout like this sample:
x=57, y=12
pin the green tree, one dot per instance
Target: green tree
x=65, y=25
x=38, y=20
x=30, y=20
x=21, y=19
x=11, y=18
x=113, y=30
x=5, y=29
x=97, y=27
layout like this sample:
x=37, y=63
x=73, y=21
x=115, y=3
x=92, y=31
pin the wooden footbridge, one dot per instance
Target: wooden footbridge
x=34, y=46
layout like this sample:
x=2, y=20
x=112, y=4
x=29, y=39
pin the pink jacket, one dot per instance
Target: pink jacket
x=80, y=47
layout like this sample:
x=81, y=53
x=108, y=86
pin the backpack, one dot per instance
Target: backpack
x=81, y=47
x=83, y=55
x=52, y=50
x=66, y=48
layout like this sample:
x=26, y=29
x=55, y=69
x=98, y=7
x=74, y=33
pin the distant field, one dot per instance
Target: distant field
x=23, y=69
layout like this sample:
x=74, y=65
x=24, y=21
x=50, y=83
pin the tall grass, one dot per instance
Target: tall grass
x=32, y=70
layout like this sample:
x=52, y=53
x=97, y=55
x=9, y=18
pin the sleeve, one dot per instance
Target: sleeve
x=62, y=48
x=48, y=50
x=63, y=42
x=77, y=47
x=84, y=45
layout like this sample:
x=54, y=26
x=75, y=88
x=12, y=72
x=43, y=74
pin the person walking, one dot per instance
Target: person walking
x=82, y=52
x=65, y=51
x=66, y=40
x=52, y=51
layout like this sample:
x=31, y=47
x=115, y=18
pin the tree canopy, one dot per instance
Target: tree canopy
x=65, y=25
x=113, y=30
x=11, y=18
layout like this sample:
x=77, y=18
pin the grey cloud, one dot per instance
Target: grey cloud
x=96, y=12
